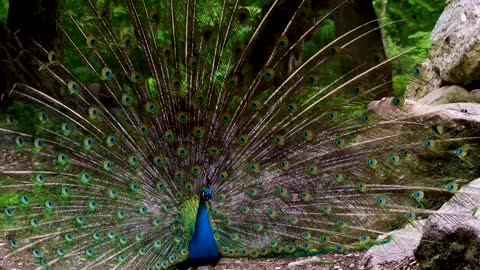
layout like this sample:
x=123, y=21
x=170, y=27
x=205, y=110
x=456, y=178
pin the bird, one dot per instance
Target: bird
x=188, y=131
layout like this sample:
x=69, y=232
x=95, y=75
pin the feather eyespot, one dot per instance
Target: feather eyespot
x=92, y=42
x=73, y=87
x=107, y=73
x=282, y=42
x=268, y=74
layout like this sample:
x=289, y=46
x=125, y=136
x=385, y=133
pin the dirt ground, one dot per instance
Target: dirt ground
x=350, y=261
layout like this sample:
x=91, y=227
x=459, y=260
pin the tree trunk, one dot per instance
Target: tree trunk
x=368, y=49
x=29, y=21
x=36, y=20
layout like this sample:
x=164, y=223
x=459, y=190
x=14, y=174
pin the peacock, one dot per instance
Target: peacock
x=186, y=131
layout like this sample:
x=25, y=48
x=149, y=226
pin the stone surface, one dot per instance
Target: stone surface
x=331, y=261
x=458, y=112
x=427, y=81
x=404, y=242
x=459, y=216
x=458, y=249
x=462, y=209
x=454, y=56
x=455, y=42
x=349, y=261
x=450, y=94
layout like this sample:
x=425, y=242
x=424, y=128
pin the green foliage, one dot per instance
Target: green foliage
x=418, y=16
x=3, y=11
x=418, y=19
x=402, y=69
x=321, y=37
x=26, y=112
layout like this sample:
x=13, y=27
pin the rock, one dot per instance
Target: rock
x=402, y=246
x=459, y=217
x=456, y=112
x=300, y=263
x=455, y=43
x=440, y=249
x=427, y=81
x=450, y=94
x=462, y=210
x=454, y=56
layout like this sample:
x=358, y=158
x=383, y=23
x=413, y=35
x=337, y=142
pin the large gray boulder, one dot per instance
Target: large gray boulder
x=460, y=216
x=454, y=56
x=450, y=94
x=455, y=42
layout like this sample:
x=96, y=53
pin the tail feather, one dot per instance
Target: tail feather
x=175, y=100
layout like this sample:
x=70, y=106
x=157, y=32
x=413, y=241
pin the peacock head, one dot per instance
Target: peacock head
x=207, y=194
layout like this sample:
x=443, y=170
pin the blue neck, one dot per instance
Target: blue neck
x=202, y=247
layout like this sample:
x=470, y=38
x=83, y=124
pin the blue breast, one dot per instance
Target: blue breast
x=202, y=247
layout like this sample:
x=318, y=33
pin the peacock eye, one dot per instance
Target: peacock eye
x=91, y=41
x=398, y=101
x=417, y=70
x=52, y=56
x=107, y=73
x=268, y=74
x=154, y=16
